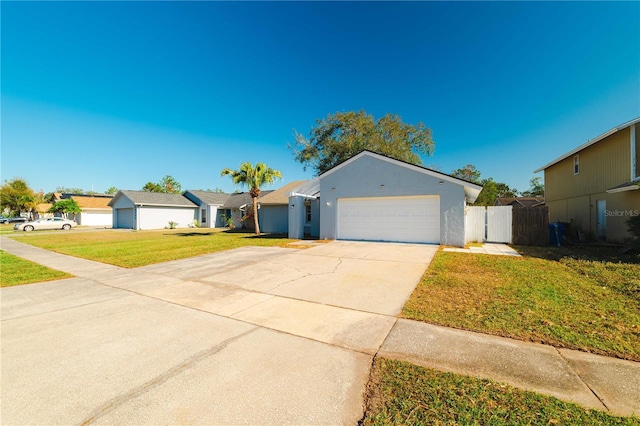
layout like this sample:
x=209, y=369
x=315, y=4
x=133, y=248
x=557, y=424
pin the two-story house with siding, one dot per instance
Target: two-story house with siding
x=596, y=187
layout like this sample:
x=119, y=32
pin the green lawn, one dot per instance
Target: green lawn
x=16, y=271
x=400, y=393
x=580, y=298
x=131, y=249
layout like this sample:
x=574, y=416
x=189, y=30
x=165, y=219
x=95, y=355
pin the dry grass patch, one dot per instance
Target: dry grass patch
x=572, y=302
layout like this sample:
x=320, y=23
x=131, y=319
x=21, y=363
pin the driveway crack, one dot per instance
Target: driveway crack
x=160, y=379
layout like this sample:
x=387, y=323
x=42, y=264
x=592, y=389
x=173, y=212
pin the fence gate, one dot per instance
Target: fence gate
x=475, y=224
x=492, y=224
x=499, y=224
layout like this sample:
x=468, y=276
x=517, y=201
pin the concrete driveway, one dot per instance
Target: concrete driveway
x=248, y=336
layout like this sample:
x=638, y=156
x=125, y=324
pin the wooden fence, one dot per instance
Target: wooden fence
x=531, y=226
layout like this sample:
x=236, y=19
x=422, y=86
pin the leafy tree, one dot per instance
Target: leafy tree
x=492, y=190
x=342, y=135
x=64, y=189
x=468, y=172
x=167, y=185
x=253, y=178
x=64, y=207
x=111, y=191
x=16, y=196
x=536, y=188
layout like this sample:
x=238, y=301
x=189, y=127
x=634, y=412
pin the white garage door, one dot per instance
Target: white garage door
x=401, y=219
x=124, y=218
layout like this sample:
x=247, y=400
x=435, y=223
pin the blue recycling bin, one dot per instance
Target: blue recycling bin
x=556, y=230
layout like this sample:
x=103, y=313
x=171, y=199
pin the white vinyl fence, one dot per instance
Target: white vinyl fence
x=488, y=224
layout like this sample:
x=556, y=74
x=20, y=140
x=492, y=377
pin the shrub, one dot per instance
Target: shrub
x=634, y=225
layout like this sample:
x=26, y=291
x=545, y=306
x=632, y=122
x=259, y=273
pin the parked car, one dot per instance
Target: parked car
x=4, y=219
x=46, y=223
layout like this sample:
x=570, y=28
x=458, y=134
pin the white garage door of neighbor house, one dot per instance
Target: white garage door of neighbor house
x=124, y=218
x=399, y=219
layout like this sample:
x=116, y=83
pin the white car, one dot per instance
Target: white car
x=46, y=223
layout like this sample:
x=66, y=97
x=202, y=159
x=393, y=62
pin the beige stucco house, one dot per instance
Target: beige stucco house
x=596, y=187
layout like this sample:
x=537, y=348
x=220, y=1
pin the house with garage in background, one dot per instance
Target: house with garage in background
x=152, y=210
x=372, y=197
x=95, y=208
x=596, y=186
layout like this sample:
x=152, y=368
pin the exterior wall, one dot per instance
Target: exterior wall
x=581, y=213
x=314, y=225
x=573, y=198
x=158, y=217
x=274, y=218
x=365, y=177
x=95, y=218
x=603, y=165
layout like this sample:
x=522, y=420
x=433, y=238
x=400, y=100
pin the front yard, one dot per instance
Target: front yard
x=131, y=249
x=579, y=298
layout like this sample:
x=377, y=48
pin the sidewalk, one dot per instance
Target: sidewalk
x=590, y=380
x=486, y=248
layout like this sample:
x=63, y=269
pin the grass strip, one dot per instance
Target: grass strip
x=16, y=271
x=401, y=393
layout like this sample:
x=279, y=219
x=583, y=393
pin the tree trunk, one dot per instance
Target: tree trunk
x=255, y=214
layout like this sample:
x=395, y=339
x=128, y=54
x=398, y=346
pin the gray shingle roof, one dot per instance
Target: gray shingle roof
x=235, y=201
x=211, y=197
x=155, y=198
x=279, y=196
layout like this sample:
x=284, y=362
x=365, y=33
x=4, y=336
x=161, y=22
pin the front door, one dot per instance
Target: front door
x=601, y=219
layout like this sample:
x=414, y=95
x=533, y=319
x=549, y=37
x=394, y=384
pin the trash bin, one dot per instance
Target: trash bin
x=556, y=230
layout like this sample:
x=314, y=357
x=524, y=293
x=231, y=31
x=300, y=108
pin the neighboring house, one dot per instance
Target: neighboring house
x=210, y=206
x=377, y=198
x=519, y=202
x=95, y=210
x=42, y=211
x=273, y=215
x=239, y=206
x=596, y=187
x=152, y=210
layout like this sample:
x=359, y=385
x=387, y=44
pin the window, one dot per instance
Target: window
x=203, y=215
x=576, y=165
x=308, y=213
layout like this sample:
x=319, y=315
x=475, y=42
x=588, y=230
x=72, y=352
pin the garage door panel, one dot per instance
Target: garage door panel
x=124, y=218
x=401, y=219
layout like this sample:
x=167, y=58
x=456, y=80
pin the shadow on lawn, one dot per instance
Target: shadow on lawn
x=592, y=252
x=194, y=234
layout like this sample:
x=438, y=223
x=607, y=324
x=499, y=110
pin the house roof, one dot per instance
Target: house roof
x=471, y=189
x=279, y=196
x=42, y=208
x=627, y=186
x=235, y=201
x=91, y=202
x=211, y=197
x=310, y=188
x=522, y=201
x=146, y=198
x=589, y=143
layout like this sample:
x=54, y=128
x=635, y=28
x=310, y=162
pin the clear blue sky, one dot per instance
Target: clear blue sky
x=101, y=94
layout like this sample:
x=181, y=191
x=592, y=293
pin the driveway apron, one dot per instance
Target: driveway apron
x=248, y=336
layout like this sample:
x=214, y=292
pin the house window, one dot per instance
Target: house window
x=308, y=213
x=576, y=165
x=204, y=215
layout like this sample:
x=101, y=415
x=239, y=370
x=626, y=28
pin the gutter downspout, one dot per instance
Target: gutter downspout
x=634, y=166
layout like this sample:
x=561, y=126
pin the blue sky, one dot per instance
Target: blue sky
x=101, y=94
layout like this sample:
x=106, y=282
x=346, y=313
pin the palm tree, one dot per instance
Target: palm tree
x=254, y=178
